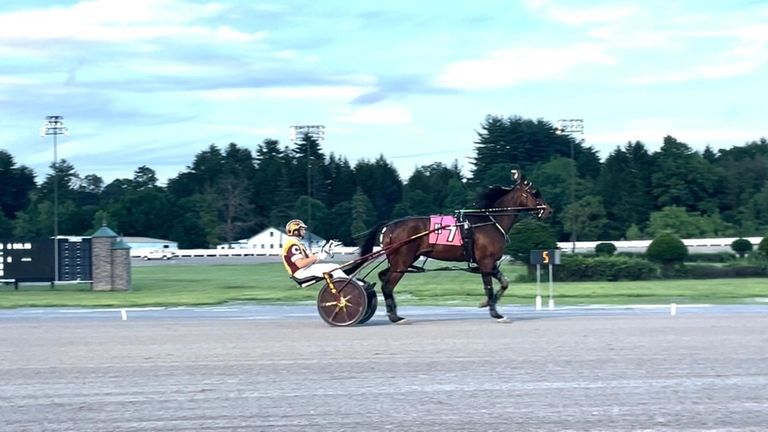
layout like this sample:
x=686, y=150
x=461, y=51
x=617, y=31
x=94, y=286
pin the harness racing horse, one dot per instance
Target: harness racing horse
x=405, y=240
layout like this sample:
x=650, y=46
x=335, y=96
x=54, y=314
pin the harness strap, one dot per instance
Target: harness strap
x=506, y=237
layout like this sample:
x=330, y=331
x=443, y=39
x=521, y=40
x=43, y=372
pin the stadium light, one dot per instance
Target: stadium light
x=297, y=133
x=572, y=127
x=54, y=125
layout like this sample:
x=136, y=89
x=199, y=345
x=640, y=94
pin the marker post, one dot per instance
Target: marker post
x=549, y=257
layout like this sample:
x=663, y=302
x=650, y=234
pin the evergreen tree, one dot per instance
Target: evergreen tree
x=73, y=213
x=190, y=216
x=427, y=190
x=683, y=178
x=745, y=174
x=380, y=181
x=625, y=185
x=524, y=143
x=457, y=196
x=363, y=214
x=236, y=216
x=16, y=184
x=6, y=227
x=341, y=181
x=144, y=177
x=311, y=172
x=272, y=189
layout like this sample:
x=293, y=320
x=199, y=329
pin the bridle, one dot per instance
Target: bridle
x=537, y=210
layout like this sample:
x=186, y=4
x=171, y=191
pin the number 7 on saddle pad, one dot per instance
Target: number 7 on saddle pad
x=446, y=232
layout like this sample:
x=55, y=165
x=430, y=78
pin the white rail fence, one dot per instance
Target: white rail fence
x=705, y=245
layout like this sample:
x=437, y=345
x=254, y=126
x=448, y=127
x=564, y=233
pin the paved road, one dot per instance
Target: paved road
x=188, y=370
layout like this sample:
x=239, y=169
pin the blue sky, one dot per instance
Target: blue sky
x=154, y=82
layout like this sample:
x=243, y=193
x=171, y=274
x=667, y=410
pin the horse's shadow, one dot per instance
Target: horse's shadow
x=382, y=320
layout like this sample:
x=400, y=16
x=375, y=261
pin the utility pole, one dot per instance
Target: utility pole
x=572, y=127
x=54, y=125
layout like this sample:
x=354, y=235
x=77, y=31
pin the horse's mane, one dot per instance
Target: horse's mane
x=489, y=197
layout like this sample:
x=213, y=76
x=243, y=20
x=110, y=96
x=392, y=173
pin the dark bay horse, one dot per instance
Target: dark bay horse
x=405, y=240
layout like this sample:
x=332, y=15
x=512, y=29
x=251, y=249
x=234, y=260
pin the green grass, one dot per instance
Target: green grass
x=170, y=285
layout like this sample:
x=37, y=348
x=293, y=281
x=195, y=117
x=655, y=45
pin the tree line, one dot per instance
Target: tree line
x=233, y=192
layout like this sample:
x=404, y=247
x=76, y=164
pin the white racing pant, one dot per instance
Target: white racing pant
x=317, y=269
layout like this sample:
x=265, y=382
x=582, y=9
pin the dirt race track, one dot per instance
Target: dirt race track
x=607, y=373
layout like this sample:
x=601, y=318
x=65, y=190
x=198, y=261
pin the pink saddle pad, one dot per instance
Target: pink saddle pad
x=446, y=231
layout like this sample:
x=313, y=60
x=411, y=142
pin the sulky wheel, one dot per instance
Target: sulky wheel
x=373, y=302
x=342, y=304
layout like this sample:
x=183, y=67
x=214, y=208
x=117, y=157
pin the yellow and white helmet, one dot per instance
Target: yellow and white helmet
x=293, y=227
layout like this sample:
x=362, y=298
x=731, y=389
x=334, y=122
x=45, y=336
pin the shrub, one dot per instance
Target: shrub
x=605, y=248
x=741, y=246
x=579, y=268
x=763, y=246
x=713, y=271
x=719, y=257
x=667, y=249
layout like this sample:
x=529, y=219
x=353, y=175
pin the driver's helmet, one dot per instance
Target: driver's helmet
x=294, y=226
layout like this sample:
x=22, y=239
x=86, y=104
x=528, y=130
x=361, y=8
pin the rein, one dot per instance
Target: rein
x=376, y=254
x=500, y=211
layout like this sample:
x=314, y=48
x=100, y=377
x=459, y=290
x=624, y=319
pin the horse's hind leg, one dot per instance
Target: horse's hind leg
x=499, y=276
x=490, y=296
x=389, y=280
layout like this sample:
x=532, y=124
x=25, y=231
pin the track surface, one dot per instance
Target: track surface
x=451, y=369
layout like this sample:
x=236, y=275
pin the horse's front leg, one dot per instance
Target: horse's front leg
x=490, y=296
x=499, y=276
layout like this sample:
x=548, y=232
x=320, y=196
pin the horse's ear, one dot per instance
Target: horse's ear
x=516, y=175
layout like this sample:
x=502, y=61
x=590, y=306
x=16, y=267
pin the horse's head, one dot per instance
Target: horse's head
x=530, y=197
x=522, y=196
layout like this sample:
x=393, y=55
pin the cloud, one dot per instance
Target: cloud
x=609, y=13
x=15, y=81
x=394, y=86
x=384, y=114
x=515, y=66
x=330, y=92
x=111, y=21
x=733, y=53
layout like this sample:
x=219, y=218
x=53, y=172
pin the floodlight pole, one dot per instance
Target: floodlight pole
x=298, y=132
x=572, y=127
x=54, y=125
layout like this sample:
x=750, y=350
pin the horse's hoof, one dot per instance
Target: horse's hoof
x=503, y=320
x=483, y=304
x=403, y=321
x=398, y=320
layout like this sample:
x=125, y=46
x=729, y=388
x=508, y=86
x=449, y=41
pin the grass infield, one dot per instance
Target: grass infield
x=175, y=285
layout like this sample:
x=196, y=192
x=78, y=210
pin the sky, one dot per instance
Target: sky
x=155, y=82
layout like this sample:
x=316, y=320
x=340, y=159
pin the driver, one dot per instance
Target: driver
x=299, y=261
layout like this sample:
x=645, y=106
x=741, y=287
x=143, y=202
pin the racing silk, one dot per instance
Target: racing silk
x=293, y=249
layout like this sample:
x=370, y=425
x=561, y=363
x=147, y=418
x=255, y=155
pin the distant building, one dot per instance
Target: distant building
x=270, y=242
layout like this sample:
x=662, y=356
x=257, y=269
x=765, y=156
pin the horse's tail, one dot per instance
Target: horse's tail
x=366, y=248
